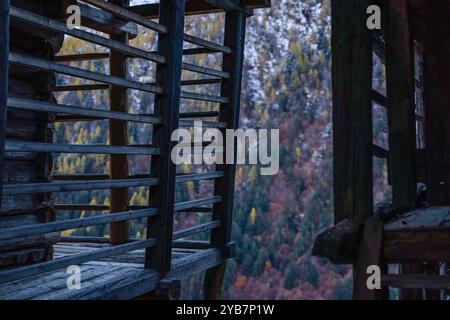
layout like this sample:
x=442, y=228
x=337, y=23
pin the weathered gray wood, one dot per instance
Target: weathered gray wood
x=401, y=105
x=23, y=272
x=65, y=186
x=128, y=15
x=81, y=111
x=352, y=110
x=340, y=243
x=74, y=148
x=118, y=130
x=76, y=72
x=167, y=106
x=182, y=206
x=203, y=70
x=229, y=5
x=207, y=44
x=196, y=230
x=103, y=21
x=41, y=228
x=197, y=7
x=422, y=219
x=203, y=97
x=53, y=25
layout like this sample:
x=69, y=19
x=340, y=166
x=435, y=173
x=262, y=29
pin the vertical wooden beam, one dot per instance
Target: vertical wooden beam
x=352, y=110
x=401, y=105
x=118, y=136
x=229, y=112
x=167, y=106
x=4, y=53
x=437, y=101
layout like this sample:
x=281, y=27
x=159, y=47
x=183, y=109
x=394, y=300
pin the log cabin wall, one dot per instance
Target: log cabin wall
x=25, y=125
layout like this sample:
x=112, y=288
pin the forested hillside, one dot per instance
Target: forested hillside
x=286, y=85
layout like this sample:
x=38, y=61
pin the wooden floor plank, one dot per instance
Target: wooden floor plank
x=119, y=277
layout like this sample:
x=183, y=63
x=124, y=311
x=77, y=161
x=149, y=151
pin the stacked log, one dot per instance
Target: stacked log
x=25, y=167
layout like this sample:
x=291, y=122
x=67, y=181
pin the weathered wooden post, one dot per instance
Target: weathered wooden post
x=352, y=123
x=352, y=110
x=4, y=53
x=168, y=76
x=118, y=136
x=229, y=112
x=437, y=102
x=401, y=111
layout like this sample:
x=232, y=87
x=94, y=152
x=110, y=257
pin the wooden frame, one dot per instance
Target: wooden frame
x=168, y=76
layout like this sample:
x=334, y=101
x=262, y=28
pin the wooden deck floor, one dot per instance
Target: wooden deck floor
x=118, y=277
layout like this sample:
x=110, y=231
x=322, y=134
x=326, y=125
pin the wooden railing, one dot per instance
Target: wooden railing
x=166, y=118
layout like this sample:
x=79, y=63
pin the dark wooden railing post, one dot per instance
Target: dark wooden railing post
x=4, y=53
x=437, y=102
x=352, y=122
x=401, y=110
x=352, y=111
x=118, y=136
x=168, y=76
x=401, y=114
x=229, y=113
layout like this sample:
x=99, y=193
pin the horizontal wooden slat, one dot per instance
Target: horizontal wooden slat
x=76, y=72
x=197, y=7
x=80, y=111
x=80, y=207
x=191, y=244
x=75, y=148
x=196, y=230
x=203, y=97
x=199, y=176
x=205, y=124
x=82, y=57
x=194, y=51
x=208, y=71
x=64, y=186
x=128, y=15
x=200, y=82
x=181, y=206
x=380, y=152
x=206, y=44
x=49, y=227
x=199, y=114
x=53, y=25
x=23, y=272
x=380, y=99
x=82, y=87
x=100, y=20
x=229, y=5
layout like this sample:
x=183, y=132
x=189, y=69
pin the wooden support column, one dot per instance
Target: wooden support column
x=4, y=53
x=401, y=113
x=118, y=136
x=167, y=105
x=352, y=110
x=401, y=106
x=229, y=113
x=437, y=101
